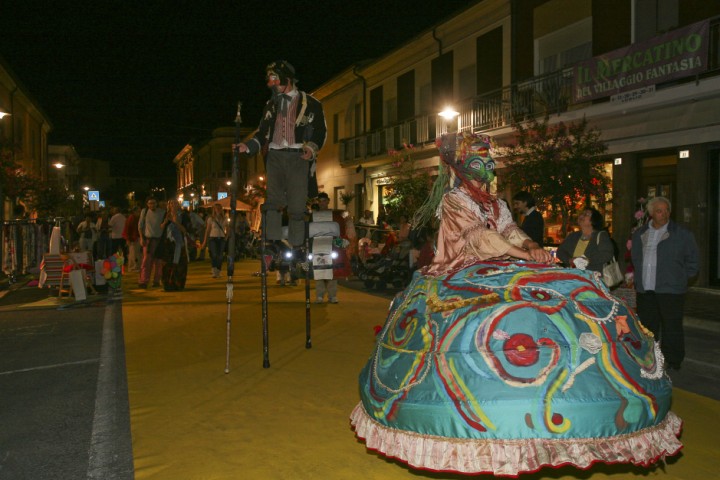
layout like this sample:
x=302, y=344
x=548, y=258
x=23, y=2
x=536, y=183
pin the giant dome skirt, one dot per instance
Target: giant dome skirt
x=506, y=368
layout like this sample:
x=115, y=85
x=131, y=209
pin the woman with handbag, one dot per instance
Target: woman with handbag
x=590, y=248
x=215, y=234
x=174, y=248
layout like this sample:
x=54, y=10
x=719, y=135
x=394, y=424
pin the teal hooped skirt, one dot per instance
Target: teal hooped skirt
x=506, y=368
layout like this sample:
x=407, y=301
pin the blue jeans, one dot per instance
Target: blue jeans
x=217, y=249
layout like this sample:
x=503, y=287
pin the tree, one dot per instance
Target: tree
x=410, y=185
x=561, y=165
x=46, y=199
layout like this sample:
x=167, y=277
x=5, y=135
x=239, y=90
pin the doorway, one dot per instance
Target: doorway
x=658, y=178
x=713, y=209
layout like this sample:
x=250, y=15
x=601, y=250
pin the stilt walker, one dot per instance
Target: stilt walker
x=306, y=267
x=291, y=132
x=263, y=290
x=231, y=240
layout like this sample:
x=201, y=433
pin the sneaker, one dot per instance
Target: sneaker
x=333, y=300
x=318, y=300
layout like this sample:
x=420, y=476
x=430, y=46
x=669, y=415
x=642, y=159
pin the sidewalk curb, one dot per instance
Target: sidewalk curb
x=702, y=324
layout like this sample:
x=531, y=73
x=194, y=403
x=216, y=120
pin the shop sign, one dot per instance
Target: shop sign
x=677, y=54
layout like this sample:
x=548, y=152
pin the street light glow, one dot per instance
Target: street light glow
x=58, y=165
x=449, y=113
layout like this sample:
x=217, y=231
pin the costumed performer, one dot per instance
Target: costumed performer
x=487, y=364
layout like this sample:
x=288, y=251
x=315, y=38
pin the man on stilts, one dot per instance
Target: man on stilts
x=292, y=131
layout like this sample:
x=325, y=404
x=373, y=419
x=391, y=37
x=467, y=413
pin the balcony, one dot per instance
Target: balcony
x=547, y=93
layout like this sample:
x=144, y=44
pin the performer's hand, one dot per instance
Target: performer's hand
x=540, y=255
x=240, y=147
x=308, y=153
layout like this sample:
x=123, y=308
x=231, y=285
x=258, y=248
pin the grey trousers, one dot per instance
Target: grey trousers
x=287, y=185
x=323, y=286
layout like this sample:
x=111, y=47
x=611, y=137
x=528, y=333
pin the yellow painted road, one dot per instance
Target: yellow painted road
x=190, y=420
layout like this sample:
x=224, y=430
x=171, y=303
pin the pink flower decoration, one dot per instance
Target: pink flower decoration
x=628, y=245
x=639, y=215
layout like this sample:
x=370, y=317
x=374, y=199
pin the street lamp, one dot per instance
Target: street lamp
x=58, y=165
x=449, y=114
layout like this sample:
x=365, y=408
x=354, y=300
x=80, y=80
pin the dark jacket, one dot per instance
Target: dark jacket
x=677, y=259
x=534, y=227
x=599, y=251
x=310, y=128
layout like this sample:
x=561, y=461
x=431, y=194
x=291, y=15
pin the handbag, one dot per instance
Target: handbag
x=611, y=273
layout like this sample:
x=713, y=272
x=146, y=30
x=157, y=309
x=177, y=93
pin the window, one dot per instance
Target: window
x=442, y=81
x=489, y=60
x=406, y=96
x=564, y=47
x=227, y=161
x=358, y=119
x=336, y=127
x=376, y=108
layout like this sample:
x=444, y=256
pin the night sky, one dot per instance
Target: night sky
x=133, y=82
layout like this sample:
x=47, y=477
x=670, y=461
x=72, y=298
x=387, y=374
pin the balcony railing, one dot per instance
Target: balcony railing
x=548, y=93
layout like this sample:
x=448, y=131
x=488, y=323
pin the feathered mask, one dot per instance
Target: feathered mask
x=468, y=155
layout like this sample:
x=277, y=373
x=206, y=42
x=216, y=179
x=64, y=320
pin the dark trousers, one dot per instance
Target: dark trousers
x=662, y=314
x=217, y=249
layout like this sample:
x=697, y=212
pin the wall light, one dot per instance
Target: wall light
x=449, y=113
x=618, y=161
x=684, y=153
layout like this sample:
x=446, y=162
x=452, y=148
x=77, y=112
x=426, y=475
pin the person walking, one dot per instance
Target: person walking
x=103, y=245
x=150, y=230
x=174, y=254
x=293, y=131
x=215, y=235
x=665, y=256
x=117, y=227
x=533, y=224
x=88, y=233
x=590, y=248
x=341, y=264
x=132, y=240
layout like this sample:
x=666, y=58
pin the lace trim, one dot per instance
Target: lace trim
x=512, y=457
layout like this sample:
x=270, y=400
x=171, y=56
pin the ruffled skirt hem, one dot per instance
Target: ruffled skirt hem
x=512, y=457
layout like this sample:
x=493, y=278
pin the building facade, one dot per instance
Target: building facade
x=645, y=73
x=24, y=129
x=204, y=171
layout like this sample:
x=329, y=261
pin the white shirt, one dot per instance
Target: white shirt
x=649, y=266
x=117, y=225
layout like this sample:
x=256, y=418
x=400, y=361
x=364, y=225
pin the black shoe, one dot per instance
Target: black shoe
x=673, y=366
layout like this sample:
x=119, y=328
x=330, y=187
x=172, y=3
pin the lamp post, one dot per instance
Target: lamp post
x=449, y=114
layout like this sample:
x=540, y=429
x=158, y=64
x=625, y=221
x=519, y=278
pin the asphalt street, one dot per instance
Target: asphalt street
x=64, y=411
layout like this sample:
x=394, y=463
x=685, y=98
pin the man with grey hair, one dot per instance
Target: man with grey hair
x=665, y=256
